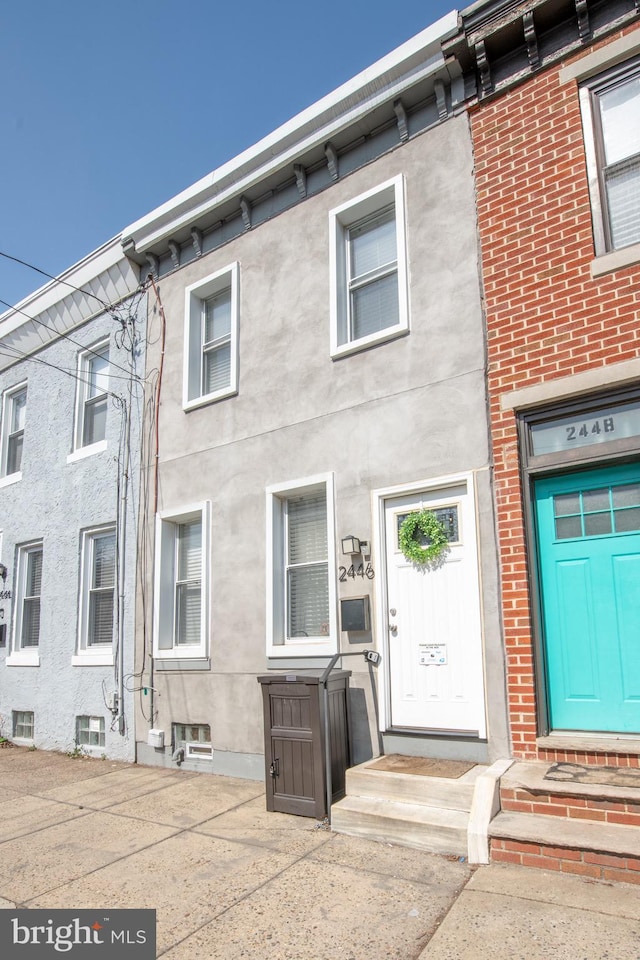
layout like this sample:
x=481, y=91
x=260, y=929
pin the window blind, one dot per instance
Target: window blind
x=307, y=582
x=188, y=594
x=101, y=595
x=30, y=633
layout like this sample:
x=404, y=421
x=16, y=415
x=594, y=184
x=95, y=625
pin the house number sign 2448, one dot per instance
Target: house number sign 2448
x=352, y=572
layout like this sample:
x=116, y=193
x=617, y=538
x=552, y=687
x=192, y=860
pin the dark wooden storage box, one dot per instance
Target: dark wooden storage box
x=294, y=740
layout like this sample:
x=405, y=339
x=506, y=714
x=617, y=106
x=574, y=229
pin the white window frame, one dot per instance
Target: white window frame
x=340, y=220
x=167, y=523
x=87, y=654
x=228, y=278
x=80, y=448
x=8, y=398
x=594, y=150
x=278, y=644
x=87, y=728
x=193, y=749
x=24, y=656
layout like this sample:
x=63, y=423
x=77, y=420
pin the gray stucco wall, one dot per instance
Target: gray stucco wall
x=54, y=501
x=401, y=412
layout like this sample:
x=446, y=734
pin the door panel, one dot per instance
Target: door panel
x=589, y=557
x=433, y=622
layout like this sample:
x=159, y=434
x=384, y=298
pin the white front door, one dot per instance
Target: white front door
x=435, y=664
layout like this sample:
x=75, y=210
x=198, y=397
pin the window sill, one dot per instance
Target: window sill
x=10, y=478
x=92, y=660
x=209, y=398
x=88, y=451
x=20, y=659
x=616, y=260
x=326, y=647
x=197, y=663
x=355, y=346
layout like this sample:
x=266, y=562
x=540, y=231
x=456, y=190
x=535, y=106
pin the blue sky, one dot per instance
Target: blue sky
x=110, y=108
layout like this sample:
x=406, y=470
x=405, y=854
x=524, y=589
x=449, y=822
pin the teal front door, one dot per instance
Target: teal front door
x=588, y=527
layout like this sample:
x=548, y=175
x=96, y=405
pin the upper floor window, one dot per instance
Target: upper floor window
x=14, y=412
x=93, y=385
x=211, y=338
x=180, y=626
x=611, y=118
x=368, y=269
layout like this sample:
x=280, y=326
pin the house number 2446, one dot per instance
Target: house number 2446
x=353, y=572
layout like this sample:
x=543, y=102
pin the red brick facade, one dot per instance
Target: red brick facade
x=546, y=317
x=584, y=863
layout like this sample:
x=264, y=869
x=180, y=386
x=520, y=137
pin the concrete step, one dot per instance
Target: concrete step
x=365, y=781
x=561, y=832
x=415, y=825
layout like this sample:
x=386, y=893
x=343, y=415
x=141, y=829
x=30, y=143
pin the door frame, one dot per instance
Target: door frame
x=533, y=468
x=379, y=499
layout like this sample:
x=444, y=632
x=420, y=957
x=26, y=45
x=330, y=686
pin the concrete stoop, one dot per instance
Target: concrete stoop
x=586, y=829
x=434, y=814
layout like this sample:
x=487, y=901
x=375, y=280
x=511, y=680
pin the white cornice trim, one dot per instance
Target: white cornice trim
x=80, y=275
x=417, y=58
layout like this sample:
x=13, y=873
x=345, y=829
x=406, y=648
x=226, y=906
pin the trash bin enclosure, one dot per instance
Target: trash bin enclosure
x=294, y=740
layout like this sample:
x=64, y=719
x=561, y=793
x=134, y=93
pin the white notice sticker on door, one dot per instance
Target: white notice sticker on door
x=433, y=654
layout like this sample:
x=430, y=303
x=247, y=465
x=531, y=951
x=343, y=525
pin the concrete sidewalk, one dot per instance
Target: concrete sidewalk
x=229, y=880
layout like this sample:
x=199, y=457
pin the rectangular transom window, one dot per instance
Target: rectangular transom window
x=611, y=120
x=92, y=396
x=301, y=571
x=211, y=338
x=182, y=584
x=14, y=415
x=369, y=301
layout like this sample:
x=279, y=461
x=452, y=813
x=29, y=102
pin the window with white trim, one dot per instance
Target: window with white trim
x=301, y=618
x=369, y=302
x=90, y=731
x=181, y=607
x=194, y=739
x=611, y=121
x=13, y=421
x=92, y=396
x=211, y=338
x=98, y=591
x=28, y=594
x=23, y=724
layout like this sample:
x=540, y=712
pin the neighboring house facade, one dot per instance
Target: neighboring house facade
x=556, y=136
x=71, y=383
x=316, y=320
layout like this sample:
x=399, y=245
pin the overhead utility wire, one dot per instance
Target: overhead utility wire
x=44, y=273
x=65, y=336
x=70, y=373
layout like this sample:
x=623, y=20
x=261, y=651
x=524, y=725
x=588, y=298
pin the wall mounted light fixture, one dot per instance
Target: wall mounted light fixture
x=350, y=545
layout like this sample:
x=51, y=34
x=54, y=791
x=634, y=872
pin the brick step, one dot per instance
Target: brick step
x=523, y=789
x=416, y=825
x=606, y=851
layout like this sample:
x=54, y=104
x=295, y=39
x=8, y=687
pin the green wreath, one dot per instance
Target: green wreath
x=426, y=522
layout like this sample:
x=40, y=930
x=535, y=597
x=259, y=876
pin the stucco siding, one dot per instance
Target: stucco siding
x=53, y=502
